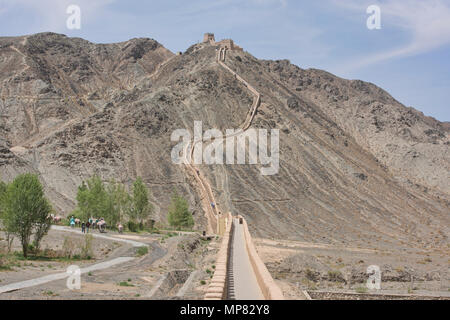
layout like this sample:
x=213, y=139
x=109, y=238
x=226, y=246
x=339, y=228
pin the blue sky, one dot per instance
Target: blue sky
x=409, y=56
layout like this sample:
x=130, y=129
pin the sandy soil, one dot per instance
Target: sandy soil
x=298, y=266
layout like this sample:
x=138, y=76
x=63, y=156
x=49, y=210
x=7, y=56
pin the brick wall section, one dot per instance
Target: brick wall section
x=217, y=289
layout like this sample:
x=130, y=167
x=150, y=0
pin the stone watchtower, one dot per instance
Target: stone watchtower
x=209, y=37
x=227, y=44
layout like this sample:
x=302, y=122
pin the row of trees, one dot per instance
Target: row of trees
x=24, y=211
x=112, y=201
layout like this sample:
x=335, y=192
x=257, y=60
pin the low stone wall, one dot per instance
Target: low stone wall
x=171, y=283
x=268, y=286
x=217, y=289
x=328, y=295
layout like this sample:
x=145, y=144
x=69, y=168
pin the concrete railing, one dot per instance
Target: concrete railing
x=269, y=288
x=217, y=289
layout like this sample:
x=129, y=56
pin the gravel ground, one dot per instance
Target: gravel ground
x=298, y=266
x=133, y=279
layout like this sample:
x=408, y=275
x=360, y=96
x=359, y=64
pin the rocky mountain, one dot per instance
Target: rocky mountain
x=356, y=166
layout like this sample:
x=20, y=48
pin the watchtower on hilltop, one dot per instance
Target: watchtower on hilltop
x=227, y=43
x=209, y=37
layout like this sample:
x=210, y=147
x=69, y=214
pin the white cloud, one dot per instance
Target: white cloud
x=427, y=22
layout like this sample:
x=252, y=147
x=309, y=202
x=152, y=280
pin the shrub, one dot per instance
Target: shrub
x=68, y=248
x=311, y=275
x=4, y=263
x=142, y=251
x=31, y=248
x=125, y=284
x=86, y=250
x=361, y=289
x=132, y=226
x=335, y=276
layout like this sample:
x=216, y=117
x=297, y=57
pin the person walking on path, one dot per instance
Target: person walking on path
x=83, y=227
x=88, y=225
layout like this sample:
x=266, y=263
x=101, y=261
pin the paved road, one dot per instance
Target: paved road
x=60, y=276
x=95, y=234
x=245, y=284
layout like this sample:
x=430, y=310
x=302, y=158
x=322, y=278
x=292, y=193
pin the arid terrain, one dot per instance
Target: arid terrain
x=363, y=179
x=175, y=267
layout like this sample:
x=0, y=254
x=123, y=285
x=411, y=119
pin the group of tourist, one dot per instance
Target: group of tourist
x=86, y=225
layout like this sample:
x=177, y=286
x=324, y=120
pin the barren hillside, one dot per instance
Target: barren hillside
x=356, y=166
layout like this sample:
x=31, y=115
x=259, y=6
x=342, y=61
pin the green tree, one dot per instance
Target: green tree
x=179, y=215
x=118, y=202
x=3, y=187
x=83, y=202
x=142, y=208
x=4, y=217
x=92, y=199
x=42, y=226
x=26, y=209
x=96, y=199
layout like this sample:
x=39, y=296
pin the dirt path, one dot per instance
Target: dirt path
x=95, y=267
x=63, y=275
x=102, y=236
x=24, y=56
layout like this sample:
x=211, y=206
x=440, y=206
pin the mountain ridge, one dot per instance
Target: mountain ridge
x=354, y=162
